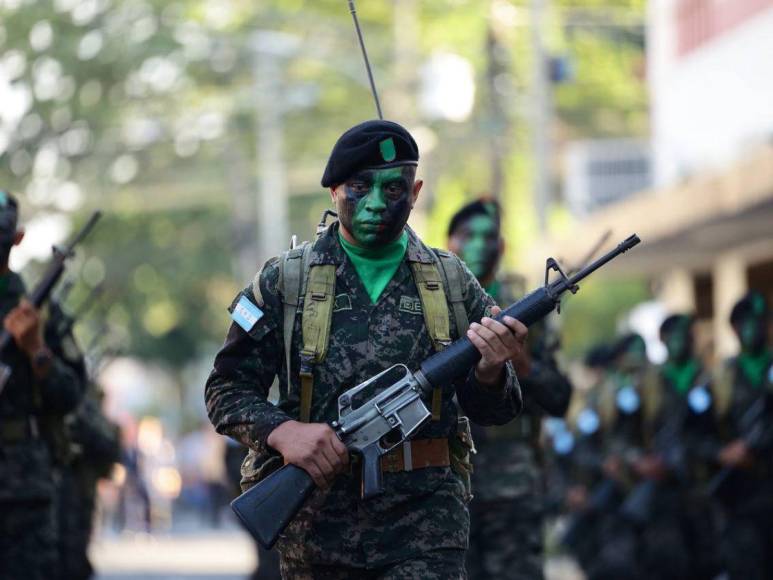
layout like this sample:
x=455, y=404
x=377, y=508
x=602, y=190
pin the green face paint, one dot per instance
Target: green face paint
x=478, y=240
x=376, y=204
x=751, y=334
x=679, y=340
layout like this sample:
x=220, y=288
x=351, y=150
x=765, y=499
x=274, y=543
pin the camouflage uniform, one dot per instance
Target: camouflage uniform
x=28, y=536
x=419, y=527
x=676, y=532
x=95, y=448
x=747, y=542
x=507, y=481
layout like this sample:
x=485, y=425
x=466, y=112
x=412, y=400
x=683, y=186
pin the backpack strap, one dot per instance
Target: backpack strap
x=452, y=273
x=317, y=317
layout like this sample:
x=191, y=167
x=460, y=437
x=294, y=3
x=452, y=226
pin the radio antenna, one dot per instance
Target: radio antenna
x=373, y=90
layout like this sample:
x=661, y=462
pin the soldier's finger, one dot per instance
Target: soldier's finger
x=328, y=469
x=332, y=458
x=499, y=349
x=505, y=334
x=483, y=347
x=339, y=448
x=315, y=473
x=520, y=330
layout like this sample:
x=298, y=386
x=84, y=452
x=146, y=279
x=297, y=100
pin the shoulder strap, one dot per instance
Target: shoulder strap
x=452, y=273
x=317, y=317
x=291, y=268
x=433, y=301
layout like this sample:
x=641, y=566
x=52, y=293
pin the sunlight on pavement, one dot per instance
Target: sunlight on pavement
x=206, y=555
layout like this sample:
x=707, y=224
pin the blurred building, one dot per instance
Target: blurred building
x=707, y=222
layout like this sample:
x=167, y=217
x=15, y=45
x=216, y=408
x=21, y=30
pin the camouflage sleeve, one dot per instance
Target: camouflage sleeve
x=547, y=386
x=482, y=405
x=236, y=392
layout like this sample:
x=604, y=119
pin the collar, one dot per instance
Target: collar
x=328, y=250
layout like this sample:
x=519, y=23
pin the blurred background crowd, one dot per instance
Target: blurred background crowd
x=201, y=128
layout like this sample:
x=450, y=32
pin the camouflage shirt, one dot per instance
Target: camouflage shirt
x=506, y=465
x=421, y=509
x=25, y=455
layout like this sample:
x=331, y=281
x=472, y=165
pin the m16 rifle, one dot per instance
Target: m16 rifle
x=398, y=409
x=43, y=290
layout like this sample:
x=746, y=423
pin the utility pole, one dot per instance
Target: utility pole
x=542, y=113
x=270, y=51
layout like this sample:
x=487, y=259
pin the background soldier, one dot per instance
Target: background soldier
x=42, y=388
x=744, y=387
x=368, y=282
x=507, y=509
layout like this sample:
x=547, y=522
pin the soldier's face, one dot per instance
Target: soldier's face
x=751, y=333
x=679, y=341
x=477, y=242
x=374, y=204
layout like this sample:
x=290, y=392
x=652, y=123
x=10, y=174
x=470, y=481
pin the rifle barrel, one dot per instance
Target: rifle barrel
x=621, y=248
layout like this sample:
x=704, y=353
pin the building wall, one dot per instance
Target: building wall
x=711, y=82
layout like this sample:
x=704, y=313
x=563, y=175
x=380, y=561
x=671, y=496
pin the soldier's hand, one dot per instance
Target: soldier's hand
x=577, y=497
x=497, y=343
x=736, y=454
x=314, y=447
x=651, y=467
x=23, y=323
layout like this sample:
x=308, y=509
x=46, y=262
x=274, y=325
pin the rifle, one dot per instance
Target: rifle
x=752, y=423
x=398, y=408
x=43, y=290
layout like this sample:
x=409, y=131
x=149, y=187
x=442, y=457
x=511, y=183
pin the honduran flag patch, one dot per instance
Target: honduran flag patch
x=246, y=314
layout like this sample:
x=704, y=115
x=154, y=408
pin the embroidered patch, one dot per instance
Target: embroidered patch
x=342, y=302
x=388, y=151
x=410, y=305
x=246, y=314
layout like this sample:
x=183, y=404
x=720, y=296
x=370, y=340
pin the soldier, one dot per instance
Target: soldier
x=744, y=387
x=507, y=480
x=42, y=388
x=673, y=516
x=371, y=286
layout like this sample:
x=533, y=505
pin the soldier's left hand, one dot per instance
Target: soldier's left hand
x=497, y=343
x=23, y=323
x=736, y=454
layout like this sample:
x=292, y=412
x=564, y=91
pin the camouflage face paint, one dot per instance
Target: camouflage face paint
x=678, y=341
x=376, y=204
x=478, y=240
x=751, y=334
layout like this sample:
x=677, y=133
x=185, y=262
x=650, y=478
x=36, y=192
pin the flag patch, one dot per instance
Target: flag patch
x=246, y=314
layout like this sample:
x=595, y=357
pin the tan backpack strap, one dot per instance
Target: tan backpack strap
x=722, y=390
x=317, y=318
x=452, y=272
x=434, y=304
x=291, y=268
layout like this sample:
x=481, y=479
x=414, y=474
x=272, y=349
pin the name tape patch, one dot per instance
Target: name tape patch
x=246, y=314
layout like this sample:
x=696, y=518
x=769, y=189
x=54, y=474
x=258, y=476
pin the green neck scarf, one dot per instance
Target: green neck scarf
x=682, y=376
x=753, y=366
x=376, y=266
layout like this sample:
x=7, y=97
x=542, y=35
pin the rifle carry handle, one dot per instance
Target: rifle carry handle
x=266, y=508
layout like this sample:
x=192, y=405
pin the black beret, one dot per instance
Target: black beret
x=753, y=304
x=369, y=145
x=483, y=206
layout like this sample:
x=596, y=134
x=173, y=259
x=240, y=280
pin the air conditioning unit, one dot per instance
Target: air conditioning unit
x=602, y=172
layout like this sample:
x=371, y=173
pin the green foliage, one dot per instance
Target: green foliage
x=592, y=315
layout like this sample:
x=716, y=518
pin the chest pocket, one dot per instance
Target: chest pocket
x=317, y=285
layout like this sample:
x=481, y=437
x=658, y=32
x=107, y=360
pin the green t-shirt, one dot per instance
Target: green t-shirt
x=376, y=266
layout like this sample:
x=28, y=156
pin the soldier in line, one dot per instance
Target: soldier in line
x=744, y=391
x=668, y=507
x=506, y=535
x=41, y=390
x=377, y=285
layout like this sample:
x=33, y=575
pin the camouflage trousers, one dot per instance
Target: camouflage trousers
x=28, y=541
x=75, y=511
x=444, y=564
x=506, y=539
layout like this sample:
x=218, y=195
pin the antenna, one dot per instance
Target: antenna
x=353, y=12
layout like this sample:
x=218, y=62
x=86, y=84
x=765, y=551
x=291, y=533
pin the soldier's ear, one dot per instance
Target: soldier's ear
x=416, y=189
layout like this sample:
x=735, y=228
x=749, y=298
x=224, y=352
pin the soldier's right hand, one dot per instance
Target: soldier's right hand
x=314, y=447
